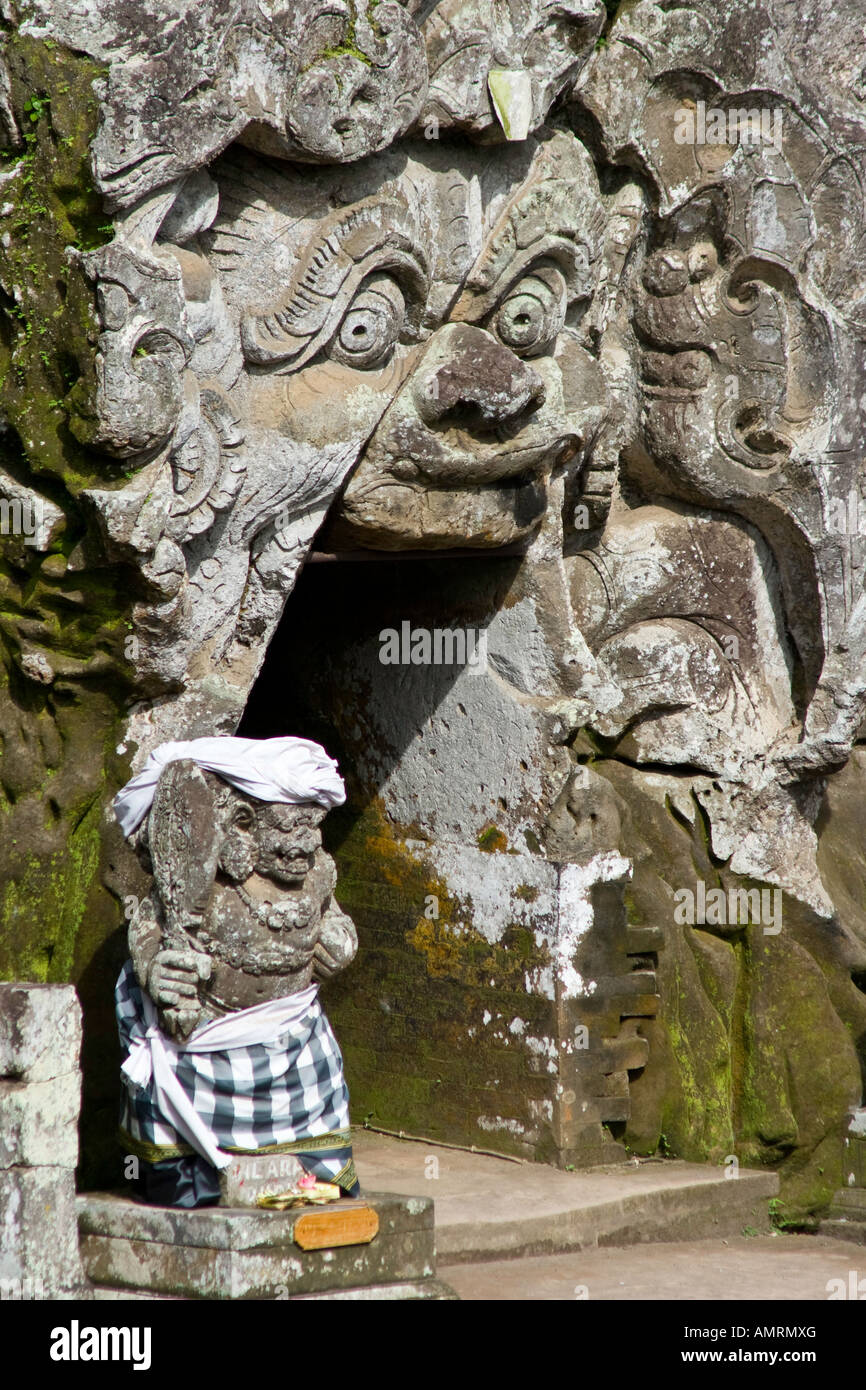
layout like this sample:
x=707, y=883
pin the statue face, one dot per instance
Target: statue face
x=287, y=838
x=425, y=322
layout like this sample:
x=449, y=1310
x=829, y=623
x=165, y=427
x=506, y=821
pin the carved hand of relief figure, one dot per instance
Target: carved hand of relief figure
x=173, y=984
x=337, y=945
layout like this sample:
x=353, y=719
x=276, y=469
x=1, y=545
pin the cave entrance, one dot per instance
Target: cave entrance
x=452, y=1021
x=408, y=756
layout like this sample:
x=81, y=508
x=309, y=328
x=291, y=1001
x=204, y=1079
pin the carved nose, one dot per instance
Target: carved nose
x=469, y=379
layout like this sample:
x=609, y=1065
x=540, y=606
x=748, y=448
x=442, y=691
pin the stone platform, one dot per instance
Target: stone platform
x=490, y=1208
x=132, y=1250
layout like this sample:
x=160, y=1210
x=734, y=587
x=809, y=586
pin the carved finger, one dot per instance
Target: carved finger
x=326, y=963
x=178, y=987
x=181, y=960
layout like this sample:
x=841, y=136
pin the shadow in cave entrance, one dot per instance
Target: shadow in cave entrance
x=400, y=1017
x=323, y=677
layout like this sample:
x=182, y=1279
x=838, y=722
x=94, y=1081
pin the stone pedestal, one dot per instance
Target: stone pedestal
x=224, y=1253
x=40, y=1087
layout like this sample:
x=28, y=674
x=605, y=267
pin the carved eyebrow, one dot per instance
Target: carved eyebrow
x=376, y=234
x=554, y=217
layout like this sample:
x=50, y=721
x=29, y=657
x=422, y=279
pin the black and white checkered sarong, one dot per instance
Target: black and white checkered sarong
x=288, y=1096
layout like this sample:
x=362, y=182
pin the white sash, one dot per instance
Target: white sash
x=149, y=1054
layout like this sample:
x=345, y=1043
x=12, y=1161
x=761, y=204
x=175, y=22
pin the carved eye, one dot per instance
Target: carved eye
x=534, y=312
x=243, y=817
x=372, y=323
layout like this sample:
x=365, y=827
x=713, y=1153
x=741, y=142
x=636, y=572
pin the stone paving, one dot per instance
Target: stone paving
x=775, y=1268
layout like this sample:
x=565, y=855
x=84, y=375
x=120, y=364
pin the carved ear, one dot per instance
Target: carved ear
x=237, y=857
x=184, y=835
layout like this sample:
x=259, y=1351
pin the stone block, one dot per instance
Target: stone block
x=422, y=1290
x=849, y=1204
x=39, y=1242
x=224, y=1253
x=39, y=1122
x=250, y=1176
x=841, y=1228
x=40, y=1031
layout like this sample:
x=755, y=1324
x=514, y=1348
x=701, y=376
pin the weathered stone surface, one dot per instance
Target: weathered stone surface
x=244, y=1254
x=490, y=1209
x=304, y=81
x=39, y=1229
x=247, y=1178
x=846, y=1219
x=39, y=1122
x=241, y=908
x=40, y=1031
x=40, y=1093
x=496, y=72
x=628, y=344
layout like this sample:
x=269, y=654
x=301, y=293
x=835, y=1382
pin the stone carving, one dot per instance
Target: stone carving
x=241, y=910
x=585, y=296
x=497, y=70
x=226, y=1048
x=313, y=80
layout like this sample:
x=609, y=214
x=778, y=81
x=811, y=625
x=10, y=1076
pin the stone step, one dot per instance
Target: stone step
x=492, y=1208
x=643, y=940
x=846, y=1219
x=419, y=1290
x=855, y=1160
x=840, y=1228
x=613, y=1109
x=627, y=1053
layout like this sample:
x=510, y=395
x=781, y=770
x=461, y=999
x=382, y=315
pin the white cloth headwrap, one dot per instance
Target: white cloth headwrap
x=149, y=1054
x=290, y=770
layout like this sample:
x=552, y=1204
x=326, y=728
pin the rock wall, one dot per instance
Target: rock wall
x=557, y=313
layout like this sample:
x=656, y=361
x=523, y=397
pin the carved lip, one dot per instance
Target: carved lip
x=474, y=460
x=499, y=514
x=294, y=866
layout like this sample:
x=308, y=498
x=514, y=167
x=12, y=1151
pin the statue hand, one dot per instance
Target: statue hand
x=174, y=976
x=337, y=944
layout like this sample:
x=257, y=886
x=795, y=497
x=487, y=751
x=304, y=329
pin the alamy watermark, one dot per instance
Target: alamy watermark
x=700, y=124
x=22, y=517
x=438, y=646
x=77, y=1343
x=20, y=1290
x=713, y=907
x=854, y=1290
